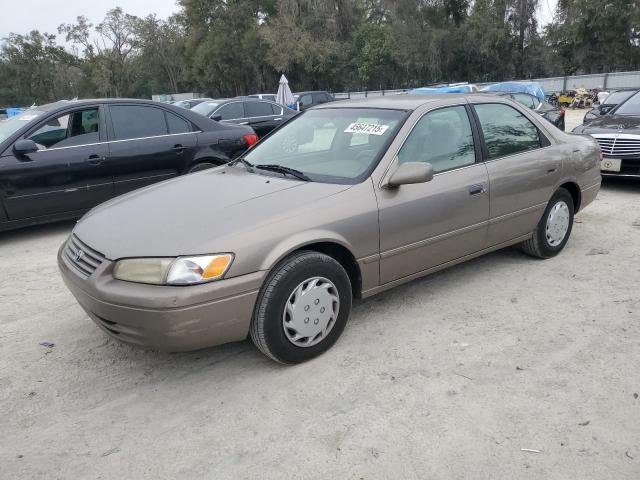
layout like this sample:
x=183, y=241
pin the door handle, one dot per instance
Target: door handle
x=278, y=119
x=477, y=189
x=95, y=160
x=178, y=148
x=243, y=123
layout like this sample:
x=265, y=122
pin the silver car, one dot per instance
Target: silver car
x=344, y=201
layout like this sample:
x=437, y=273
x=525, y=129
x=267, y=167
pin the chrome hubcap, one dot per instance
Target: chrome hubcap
x=558, y=223
x=311, y=312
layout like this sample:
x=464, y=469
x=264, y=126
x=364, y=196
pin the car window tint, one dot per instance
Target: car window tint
x=442, y=138
x=258, y=109
x=277, y=110
x=76, y=128
x=506, y=130
x=305, y=99
x=631, y=106
x=137, y=122
x=230, y=111
x=617, y=97
x=177, y=124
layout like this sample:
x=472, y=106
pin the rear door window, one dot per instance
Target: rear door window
x=506, y=130
x=134, y=121
x=231, y=111
x=525, y=100
x=258, y=109
x=177, y=124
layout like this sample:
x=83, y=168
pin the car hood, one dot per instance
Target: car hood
x=195, y=214
x=613, y=124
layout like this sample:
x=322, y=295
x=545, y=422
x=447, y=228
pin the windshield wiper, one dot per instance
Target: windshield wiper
x=241, y=160
x=285, y=170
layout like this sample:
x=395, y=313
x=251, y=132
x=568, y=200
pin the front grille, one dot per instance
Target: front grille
x=81, y=256
x=619, y=145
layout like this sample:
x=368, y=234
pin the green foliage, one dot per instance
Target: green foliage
x=237, y=47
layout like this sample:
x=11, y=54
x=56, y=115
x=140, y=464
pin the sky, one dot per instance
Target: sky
x=22, y=16
x=46, y=15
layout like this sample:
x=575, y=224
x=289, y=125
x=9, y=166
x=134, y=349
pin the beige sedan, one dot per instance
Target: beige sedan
x=345, y=201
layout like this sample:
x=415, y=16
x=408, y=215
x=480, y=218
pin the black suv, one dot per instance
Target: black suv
x=306, y=100
x=61, y=159
x=261, y=115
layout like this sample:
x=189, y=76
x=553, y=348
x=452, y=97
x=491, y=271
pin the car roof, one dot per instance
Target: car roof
x=311, y=91
x=400, y=102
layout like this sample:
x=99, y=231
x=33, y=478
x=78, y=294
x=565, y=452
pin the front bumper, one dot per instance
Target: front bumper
x=161, y=317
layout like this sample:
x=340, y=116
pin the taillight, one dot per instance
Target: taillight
x=250, y=139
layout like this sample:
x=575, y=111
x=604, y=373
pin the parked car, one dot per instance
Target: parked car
x=59, y=160
x=261, y=115
x=618, y=133
x=189, y=104
x=264, y=96
x=306, y=100
x=547, y=111
x=608, y=103
x=345, y=200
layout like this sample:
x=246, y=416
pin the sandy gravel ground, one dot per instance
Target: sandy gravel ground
x=449, y=377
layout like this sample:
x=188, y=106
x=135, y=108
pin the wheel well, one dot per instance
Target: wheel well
x=343, y=256
x=574, y=190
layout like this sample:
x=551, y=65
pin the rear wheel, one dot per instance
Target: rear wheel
x=553, y=230
x=302, y=308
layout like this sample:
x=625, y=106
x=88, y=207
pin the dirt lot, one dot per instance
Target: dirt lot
x=449, y=377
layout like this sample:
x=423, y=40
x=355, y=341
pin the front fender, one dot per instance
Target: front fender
x=299, y=241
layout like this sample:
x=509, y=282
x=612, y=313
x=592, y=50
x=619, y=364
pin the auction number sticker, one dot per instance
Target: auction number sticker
x=367, y=128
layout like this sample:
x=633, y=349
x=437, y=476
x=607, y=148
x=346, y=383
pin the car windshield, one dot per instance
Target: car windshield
x=205, y=108
x=617, y=97
x=15, y=123
x=630, y=107
x=333, y=145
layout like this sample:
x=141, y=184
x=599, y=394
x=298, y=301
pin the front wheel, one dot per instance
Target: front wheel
x=553, y=229
x=302, y=308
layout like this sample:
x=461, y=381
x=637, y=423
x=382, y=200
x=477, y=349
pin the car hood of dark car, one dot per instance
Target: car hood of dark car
x=196, y=214
x=613, y=124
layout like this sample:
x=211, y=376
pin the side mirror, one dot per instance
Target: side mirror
x=24, y=147
x=217, y=117
x=411, y=172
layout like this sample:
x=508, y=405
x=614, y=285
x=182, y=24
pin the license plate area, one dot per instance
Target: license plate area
x=610, y=164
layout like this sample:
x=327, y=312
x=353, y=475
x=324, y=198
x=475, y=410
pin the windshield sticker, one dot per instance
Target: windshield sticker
x=367, y=128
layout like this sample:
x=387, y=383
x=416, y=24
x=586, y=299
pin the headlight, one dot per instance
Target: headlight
x=173, y=271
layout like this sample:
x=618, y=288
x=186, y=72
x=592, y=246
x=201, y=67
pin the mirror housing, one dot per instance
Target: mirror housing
x=24, y=147
x=216, y=117
x=411, y=172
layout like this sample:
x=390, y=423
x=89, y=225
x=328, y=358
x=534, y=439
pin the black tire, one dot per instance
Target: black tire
x=538, y=245
x=267, y=331
x=201, y=166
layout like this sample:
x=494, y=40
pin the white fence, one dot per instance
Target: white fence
x=554, y=84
